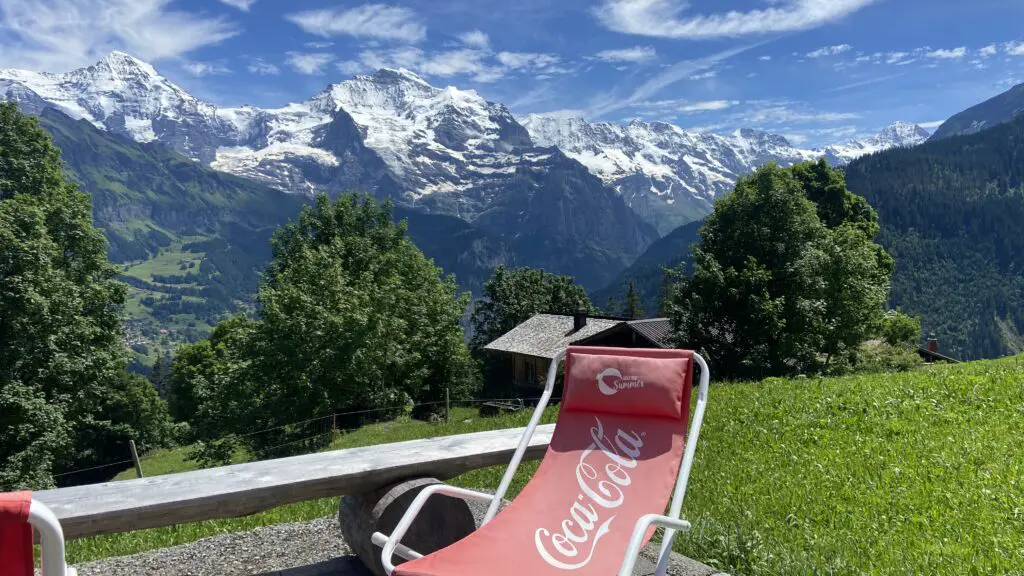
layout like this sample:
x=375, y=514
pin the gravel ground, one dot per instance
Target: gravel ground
x=301, y=549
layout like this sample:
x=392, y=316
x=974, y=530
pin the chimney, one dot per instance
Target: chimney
x=579, y=319
x=933, y=344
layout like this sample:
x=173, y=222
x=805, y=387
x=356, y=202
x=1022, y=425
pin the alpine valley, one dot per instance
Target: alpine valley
x=188, y=193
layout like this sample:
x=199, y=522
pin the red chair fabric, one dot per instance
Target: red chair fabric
x=16, y=555
x=613, y=458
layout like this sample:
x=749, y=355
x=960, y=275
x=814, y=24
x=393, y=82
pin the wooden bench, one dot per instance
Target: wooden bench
x=243, y=489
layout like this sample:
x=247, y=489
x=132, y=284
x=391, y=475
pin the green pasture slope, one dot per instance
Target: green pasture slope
x=887, y=474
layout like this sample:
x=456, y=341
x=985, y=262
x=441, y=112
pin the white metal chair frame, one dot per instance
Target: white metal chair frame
x=672, y=523
x=51, y=540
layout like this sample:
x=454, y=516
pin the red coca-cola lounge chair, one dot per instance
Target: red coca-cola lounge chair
x=19, y=514
x=618, y=452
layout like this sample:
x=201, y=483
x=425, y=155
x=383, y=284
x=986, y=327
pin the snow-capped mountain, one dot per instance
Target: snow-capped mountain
x=390, y=134
x=671, y=176
x=892, y=136
x=443, y=149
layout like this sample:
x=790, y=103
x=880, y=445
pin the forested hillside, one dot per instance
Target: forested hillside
x=647, y=274
x=952, y=213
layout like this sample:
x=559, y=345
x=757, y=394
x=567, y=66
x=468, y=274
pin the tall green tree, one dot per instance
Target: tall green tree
x=352, y=317
x=511, y=297
x=65, y=400
x=781, y=283
x=633, y=310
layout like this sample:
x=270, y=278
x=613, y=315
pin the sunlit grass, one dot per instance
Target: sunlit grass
x=917, y=473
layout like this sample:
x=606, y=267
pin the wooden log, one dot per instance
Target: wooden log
x=442, y=522
x=243, y=489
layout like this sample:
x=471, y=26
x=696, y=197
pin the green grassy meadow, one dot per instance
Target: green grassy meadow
x=889, y=474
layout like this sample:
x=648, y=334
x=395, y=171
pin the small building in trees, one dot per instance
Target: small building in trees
x=529, y=347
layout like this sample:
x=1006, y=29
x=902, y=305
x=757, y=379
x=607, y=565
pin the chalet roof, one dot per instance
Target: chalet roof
x=656, y=330
x=544, y=335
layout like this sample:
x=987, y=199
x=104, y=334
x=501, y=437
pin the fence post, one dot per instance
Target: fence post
x=135, y=458
x=334, y=427
x=447, y=407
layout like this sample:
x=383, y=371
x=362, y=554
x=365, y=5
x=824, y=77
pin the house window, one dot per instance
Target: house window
x=531, y=373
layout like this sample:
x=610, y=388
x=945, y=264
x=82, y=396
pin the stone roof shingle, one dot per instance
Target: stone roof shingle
x=545, y=335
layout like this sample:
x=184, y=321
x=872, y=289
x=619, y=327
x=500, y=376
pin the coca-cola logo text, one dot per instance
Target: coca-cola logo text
x=602, y=473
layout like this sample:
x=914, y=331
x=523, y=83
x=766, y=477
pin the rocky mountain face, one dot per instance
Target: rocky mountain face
x=391, y=134
x=992, y=112
x=671, y=176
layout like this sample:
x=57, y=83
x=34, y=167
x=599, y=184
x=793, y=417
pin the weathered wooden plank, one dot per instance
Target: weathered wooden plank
x=242, y=489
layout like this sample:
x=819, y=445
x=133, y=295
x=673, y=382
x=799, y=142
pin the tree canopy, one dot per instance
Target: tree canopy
x=786, y=276
x=512, y=296
x=66, y=402
x=351, y=317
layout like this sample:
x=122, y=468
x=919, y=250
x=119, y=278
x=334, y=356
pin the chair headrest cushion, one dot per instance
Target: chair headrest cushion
x=632, y=385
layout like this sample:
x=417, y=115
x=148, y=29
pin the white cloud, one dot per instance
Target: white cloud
x=517, y=60
x=262, y=67
x=987, y=51
x=708, y=106
x=351, y=67
x=830, y=51
x=58, y=35
x=205, y=68
x=895, y=57
x=765, y=58
x=310, y=63
x=242, y=5
x=931, y=125
x=366, y=21
x=953, y=54
x=664, y=19
x=1015, y=48
x=613, y=100
x=319, y=45
x=481, y=65
x=704, y=75
x=770, y=112
x=634, y=54
x=475, y=39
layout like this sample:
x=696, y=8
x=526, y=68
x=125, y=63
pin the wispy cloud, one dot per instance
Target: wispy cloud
x=480, y=65
x=611, y=101
x=1015, y=48
x=987, y=51
x=200, y=69
x=58, y=35
x=707, y=106
x=931, y=125
x=242, y=5
x=765, y=58
x=263, y=68
x=366, y=21
x=634, y=54
x=867, y=82
x=704, y=75
x=942, y=54
x=310, y=63
x=829, y=51
x=475, y=39
x=665, y=18
x=769, y=112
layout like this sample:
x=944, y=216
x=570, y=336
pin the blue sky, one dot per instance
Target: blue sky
x=817, y=71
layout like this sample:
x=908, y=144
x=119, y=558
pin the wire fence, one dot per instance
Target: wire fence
x=319, y=432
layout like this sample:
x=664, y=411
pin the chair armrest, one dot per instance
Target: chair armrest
x=392, y=543
x=633, y=551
